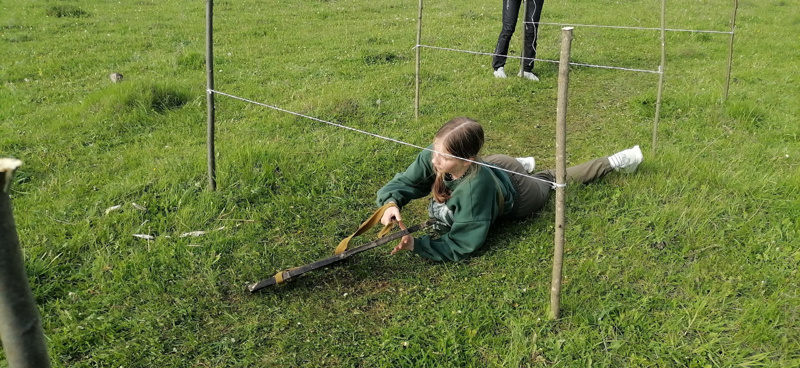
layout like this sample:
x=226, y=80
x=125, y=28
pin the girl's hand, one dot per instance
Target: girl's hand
x=406, y=243
x=391, y=214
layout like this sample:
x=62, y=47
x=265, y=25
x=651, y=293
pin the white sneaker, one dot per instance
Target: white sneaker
x=500, y=73
x=528, y=75
x=528, y=163
x=626, y=161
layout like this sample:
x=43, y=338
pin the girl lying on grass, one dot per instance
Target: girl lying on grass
x=467, y=198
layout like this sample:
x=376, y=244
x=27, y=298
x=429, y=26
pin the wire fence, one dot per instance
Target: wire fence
x=553, y=184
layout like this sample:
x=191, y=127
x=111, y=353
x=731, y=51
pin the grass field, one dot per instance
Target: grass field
x=690, y=262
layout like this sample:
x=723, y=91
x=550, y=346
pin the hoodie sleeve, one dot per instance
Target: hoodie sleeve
x=463, y=239
x=414, y=183
x=475, y=207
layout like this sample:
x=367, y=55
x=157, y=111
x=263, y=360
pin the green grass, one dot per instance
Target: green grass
x=692, y=261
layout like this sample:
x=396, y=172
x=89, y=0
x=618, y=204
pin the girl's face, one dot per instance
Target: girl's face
x=446, y=164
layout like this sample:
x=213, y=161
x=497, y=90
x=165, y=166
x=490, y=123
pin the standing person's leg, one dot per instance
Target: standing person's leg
x=532, y=194
x=532, y=15
x=510, y=13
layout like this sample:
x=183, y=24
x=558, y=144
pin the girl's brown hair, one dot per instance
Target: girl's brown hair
x=461, y=137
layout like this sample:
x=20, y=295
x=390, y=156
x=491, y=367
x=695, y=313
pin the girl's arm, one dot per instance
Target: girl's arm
x=414, y=183
x=460, y=242
x=475, y=207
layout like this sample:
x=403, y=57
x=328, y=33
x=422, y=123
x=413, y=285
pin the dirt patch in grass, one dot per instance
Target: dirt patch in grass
x=66, y=11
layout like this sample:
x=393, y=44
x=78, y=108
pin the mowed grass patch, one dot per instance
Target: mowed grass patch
x=692, y=261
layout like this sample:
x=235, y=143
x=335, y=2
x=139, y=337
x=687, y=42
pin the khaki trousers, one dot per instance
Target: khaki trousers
x=533, y=194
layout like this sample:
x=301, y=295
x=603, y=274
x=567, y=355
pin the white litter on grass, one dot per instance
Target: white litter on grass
x=138, y=207
x=151, y=237
x=113, y=208
x=193, y=233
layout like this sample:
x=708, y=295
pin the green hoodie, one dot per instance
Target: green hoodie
x=465, y=218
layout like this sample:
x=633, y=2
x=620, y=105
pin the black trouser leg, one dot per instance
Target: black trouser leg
x=510, y=13
x=532, y=15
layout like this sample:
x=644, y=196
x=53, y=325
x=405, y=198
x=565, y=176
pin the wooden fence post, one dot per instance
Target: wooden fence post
x=20, y=327
x=561, y=170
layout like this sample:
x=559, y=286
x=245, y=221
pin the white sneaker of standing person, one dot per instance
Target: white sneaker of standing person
x=626, y=161
x=500, y=73
x=528, y=163
x=528, y=75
